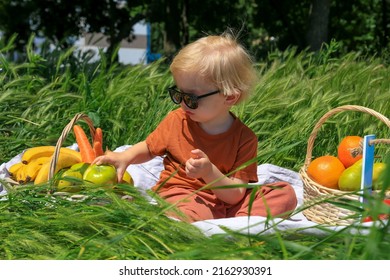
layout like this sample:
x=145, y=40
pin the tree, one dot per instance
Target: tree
x=167, y=14
x=183, y=21
x=317, y=32
x=20, y=24
x=357, y=25
x=60, y=20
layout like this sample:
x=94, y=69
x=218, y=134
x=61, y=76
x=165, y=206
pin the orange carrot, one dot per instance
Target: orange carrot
x=98, y=149
x=98, y=142
x=86, y=151
x=98, y=136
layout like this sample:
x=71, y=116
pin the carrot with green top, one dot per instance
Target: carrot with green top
x=86, y=151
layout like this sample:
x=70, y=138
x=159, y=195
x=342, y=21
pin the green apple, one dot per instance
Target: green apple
x=81, y=167
x=102, y=175
x=351, y=178
x=70, y=181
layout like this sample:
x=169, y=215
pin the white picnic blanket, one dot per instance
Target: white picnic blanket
x=145, y=176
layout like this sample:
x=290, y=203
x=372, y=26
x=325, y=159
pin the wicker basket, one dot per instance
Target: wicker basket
x=317, y=210
x=64, y=134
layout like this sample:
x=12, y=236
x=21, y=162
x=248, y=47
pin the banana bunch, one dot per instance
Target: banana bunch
x=35, y=164
x=45, y=151
x=18, y=172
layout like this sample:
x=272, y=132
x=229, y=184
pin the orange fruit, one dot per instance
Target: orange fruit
x=326, y=171
x=350, y=150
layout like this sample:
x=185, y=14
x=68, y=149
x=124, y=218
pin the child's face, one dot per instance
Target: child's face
x=211, y=107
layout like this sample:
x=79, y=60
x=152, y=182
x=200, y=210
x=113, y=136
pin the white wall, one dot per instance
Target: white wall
x=127, y=55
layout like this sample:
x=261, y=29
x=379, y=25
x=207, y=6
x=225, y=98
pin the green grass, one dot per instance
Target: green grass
x=39, y=97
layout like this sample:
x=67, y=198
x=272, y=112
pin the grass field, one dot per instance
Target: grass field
x=40, y=96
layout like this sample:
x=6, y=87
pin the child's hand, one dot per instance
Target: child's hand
x=114, y=159
x=199, y=165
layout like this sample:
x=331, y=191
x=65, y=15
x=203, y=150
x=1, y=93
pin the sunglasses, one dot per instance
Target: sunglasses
x=191, y=100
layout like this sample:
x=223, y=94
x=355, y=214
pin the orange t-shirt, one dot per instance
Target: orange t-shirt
x=177, y=135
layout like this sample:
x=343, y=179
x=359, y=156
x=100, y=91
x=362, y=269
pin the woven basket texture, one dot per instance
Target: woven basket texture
x=64, y=134
x=317, y=197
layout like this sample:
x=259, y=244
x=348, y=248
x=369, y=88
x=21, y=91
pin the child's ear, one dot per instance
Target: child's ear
x=232, y=99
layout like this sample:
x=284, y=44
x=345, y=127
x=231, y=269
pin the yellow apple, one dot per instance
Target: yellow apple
x=70, y=181
x=127, y=178
x=377, y=175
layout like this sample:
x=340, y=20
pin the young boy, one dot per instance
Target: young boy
x=204, y=144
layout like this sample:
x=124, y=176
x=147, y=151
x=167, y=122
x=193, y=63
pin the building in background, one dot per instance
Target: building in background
x=137, y=51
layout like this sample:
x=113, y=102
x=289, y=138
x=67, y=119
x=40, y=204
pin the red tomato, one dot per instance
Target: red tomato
x=380, y=216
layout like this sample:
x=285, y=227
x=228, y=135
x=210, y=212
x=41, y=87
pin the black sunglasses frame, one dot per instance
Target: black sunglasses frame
x=192, y=97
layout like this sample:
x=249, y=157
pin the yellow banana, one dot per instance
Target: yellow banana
x=34, y=166
x=37, y=152
x=44, y=151
x=64, y=160
x=21, y=175
x=42, y=160
x=14, y=169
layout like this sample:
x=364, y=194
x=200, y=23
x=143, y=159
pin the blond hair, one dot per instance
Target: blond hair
x=220, y=59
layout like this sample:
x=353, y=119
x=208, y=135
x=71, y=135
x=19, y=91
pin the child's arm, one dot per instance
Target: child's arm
x=138, y=153
x=201, y=167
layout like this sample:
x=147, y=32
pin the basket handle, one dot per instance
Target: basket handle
x=313, y=135
x=64, y=134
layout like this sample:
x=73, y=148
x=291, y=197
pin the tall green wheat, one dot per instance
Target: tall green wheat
x=41, y=95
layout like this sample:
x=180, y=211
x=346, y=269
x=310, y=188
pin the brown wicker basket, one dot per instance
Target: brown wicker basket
x=64, y=134
x=317, y=210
